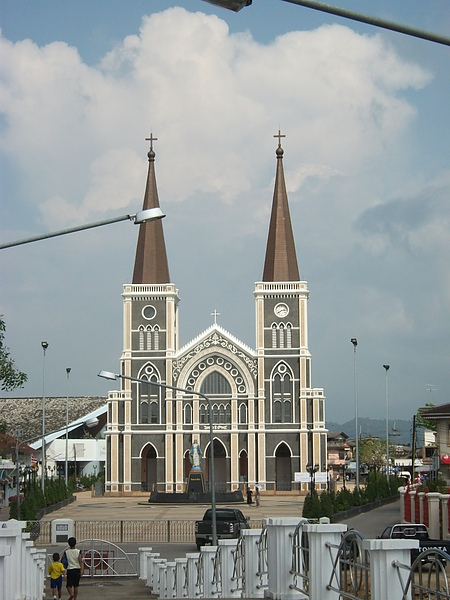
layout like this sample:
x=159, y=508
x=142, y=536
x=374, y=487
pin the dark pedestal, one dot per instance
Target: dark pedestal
x=195, y=483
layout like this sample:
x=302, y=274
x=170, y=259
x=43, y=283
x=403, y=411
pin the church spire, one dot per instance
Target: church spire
x=150, y=265
x=281, y=259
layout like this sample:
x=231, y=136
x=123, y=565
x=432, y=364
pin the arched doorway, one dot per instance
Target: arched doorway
x=220, y=465
x=243, y=468
x=149, y=478
x=283, y=477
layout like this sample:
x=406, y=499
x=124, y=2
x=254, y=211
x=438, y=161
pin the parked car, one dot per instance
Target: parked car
x=416, y=531
x=229, y=523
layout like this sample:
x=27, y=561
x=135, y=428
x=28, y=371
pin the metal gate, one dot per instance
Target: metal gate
x=105, y=559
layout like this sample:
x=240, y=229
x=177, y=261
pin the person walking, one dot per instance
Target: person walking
x=56, y=571
x=257, y=497
x=249, y=496
x=74, y=568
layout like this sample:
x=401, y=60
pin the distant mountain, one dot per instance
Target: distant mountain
x=400, y=430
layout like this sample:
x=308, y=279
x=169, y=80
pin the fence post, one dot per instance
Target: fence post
x=444, y=516
x=208, y=553
x=170, y=581
x=150, y=568
x=319, y=537
x=253, y=587
x=403, y=496
x=227, y=550
x=192, y=560
x=413, y=499
x=279, y=545
x=180, y=577
x=384, y=581
x=434, y=520
x=143, y=553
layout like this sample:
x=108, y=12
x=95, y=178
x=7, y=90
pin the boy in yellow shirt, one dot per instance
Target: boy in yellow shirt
x=56, y=572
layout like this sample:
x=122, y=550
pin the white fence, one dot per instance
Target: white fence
x=288, y=559
x=22, y=566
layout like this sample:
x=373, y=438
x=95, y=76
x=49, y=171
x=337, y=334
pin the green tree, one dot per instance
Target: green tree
x=372, y=452
x=10, y=377
x=425, y=423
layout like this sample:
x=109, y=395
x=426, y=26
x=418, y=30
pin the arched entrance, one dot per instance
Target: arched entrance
x=243, y=468
x=283, y=477
x=220, y=466
x=149, y=476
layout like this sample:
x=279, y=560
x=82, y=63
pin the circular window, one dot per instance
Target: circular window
x=148, y=312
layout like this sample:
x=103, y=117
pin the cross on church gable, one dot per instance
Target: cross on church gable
x=215, y=314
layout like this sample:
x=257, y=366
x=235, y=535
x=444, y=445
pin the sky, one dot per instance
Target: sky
x=365, y=114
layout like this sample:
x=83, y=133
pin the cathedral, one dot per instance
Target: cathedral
x=268, y=422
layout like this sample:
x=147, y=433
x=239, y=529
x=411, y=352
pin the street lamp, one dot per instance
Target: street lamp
x=386, y=368
x=237, y=5
x=143, y=216
x=115, y=376
x=44, y=348
x=68, y=369
x=354, y=341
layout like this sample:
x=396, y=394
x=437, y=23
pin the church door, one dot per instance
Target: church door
x=220, y=466
x=283, y=468
x=149, y=470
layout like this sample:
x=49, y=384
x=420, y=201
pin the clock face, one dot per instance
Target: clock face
x=281, y=310
x=148, y=312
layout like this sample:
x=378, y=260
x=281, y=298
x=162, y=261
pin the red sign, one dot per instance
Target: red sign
x=445, y=458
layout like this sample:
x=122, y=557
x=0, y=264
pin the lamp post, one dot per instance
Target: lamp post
x=386, y=368
x=44, y=348
x=68, y=369
x=115, y=376
x=237, y=5
x=354, y=341
x=143, y=216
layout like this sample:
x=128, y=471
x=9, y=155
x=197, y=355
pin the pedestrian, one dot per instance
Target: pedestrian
x=249, y=496
x=74, y=568
x=56, y=571
x=257, y=496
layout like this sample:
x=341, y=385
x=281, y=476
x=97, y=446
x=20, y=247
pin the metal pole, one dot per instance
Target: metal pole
x=370, y=20
x=354, y=341
x=44, y=348
x=386, y=368
x=68, y=369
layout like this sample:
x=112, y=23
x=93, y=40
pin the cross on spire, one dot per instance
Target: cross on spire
x=151, y=139
x=215, y=314
x=279, y=135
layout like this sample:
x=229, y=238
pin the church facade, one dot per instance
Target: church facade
x=268, y=420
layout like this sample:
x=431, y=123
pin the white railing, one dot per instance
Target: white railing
x=22, y=566
x=292, y=558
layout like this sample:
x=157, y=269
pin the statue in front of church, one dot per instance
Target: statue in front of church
x=195, y=455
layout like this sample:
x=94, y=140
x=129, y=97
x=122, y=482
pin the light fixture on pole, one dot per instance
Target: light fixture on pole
x=386, y=368
x=68, y=369
x=354, y=341
x=115, y=376
x=44, y=348
x=237, y=5
x=143, y=216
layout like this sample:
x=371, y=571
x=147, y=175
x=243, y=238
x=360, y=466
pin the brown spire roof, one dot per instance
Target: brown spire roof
x=150, y=265
x=281, y=259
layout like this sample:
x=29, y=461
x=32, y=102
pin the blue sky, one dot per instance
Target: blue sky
x=365, y=113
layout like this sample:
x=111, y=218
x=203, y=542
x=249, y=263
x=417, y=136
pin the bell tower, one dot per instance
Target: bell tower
x=286, y=401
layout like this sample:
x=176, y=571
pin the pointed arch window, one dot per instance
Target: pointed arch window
x=242, y=413
x=289, y=335
x=144, y=412
x=156, y=338
x=188, y=414
x=149, y=337
x=282, y=394
x=141, y=338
